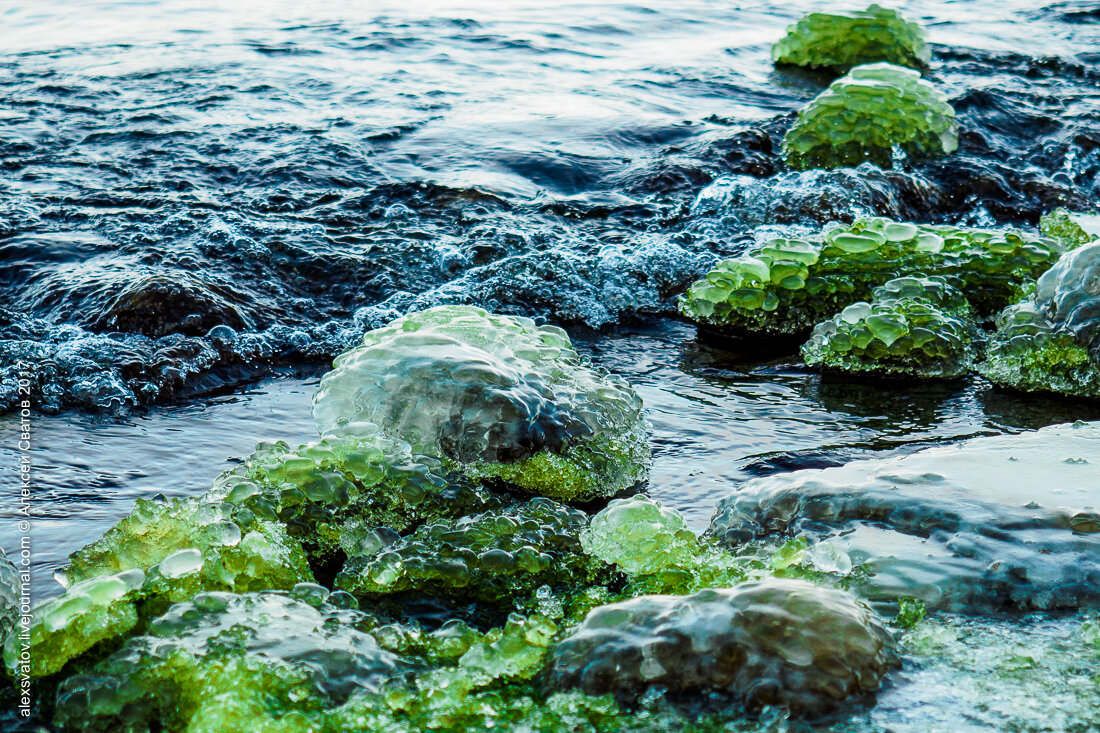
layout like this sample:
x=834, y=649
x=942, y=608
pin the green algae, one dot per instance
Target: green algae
x=1050, y=342
x=839, y=41
x=1071, y=228
x=913, y=327
x=499, y=557
x=868, y=115
x=88, y=613
x=784, y=287
x=493, y=397
x=189, y=545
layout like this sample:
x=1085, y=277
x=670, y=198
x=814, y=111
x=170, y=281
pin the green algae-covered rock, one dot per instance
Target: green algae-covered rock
x=1051, y=343
x=268, y=661
x=496, y=397
x=89, y=612
x=190, y=545
x=868, y=114
x=1071, y=228
x=913, y=327
x=785, y=287
x=640, y=537
x=842, y=40
x=774, y=642
x=997, y=523
x=329, y=492
x=498, y=557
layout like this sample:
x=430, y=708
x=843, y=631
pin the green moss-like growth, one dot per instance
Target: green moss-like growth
x=1071, y=228
x=328, y=492
x=786, y=286
x=498, y=558
x=87, y=613
x=190, y=545
x=843, y=40
x=866, y=115
x=494, y=397
x=1051, y=342
x=913, y=327
x=223, y=662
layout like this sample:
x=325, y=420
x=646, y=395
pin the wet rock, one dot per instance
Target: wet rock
x=185, y=546
x=866, y=115
x=498, y=558
x=776, y=642
x=1051, y=342
x=63, y=628
x=497, y=397
x=786, y=286
x=843, y=40
x=1006, y=522
x=1072, y=228
x=913, y=327
x=327, y=493
x=259, y=661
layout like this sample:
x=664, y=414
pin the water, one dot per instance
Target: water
x=195, y=197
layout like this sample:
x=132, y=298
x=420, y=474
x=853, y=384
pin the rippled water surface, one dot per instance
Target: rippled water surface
x=196, y=196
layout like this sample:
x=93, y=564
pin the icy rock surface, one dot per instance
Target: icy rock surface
x=329, y=492
x=866, y=115
x=191, y=545
x=1072, y=228
x=786, y=286
x=913, y=327
x=639, y=536
x=1051, y=342
x=495, y=396
x=220, y=662
x=843, y=40
x=497, y=557
x=1005, y=522
x=87, y=613
x=774, y=642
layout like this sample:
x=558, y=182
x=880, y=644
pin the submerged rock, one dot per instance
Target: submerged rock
x=498, y=558
x=786, y=286
x=89, y=612
x=867, y=115
x=913, y=327
x=775, y=642
x=1072, y=228
x=497, y=397
x=221, y=662
x=1006, y=522
x=842, y=40
x=1051, y=342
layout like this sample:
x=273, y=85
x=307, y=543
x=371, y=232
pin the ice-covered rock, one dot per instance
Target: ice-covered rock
x=1005, y=522
x=775, y=642
x=873, y=111
x=840, y=41
x=496, y=397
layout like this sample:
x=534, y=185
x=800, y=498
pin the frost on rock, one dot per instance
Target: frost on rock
x=913, y=327
x=498, y=557
x=224, y=662
x=776, y=642
x=191, y=545
x=785, y=287
x=1051, y=342
x=843, y=40
x=1005, y=522
x=867, y=115
x=330, y=492
x=65, y=627
x=496, y=397
x=1071, y=228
